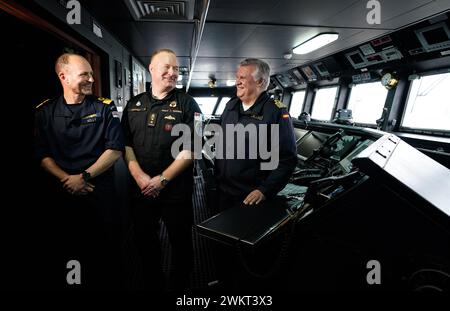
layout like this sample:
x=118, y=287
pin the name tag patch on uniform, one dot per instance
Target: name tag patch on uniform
x=168, y=127
x=151, y=121
x=254, y=116
x=138, y=109
x=90, y=118
x=171, y=110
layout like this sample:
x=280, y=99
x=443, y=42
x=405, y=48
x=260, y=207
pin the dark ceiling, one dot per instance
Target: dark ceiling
x=236, y=29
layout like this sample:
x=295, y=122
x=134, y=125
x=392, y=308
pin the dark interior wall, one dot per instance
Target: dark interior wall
x=29, y=55
x=28, y=58
x=115, y=51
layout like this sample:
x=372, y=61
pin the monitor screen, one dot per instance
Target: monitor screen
x=356, y=58
x=343, y=146
x=375, y=58
x=320, y=67
x=309, y=73
x=284, y=81
x=436, y=35
x=307, y=145
x=298, y=75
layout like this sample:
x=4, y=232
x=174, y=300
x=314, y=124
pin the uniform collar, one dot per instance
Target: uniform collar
x=168, y=97
x=257, y=107
x=61, y=109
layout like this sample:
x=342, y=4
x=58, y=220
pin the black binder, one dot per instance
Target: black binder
x=251, y=224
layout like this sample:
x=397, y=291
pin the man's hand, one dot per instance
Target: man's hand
x=74, y=184
x=155, y=184
x=143, y=182
x=254, y=197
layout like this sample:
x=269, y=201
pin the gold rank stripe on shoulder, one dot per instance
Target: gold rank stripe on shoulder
x=90, y=116
x=279, y=103
x=106, y=101
x=42, y=103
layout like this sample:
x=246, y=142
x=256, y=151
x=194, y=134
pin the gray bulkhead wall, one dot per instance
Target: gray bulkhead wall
x=109, y=44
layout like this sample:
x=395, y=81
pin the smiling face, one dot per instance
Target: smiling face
x=164, y=71
x=77, y=76
x=247, y=89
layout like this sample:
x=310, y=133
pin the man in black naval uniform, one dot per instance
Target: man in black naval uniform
x=244, y=181
x=78, y=138
x=163, y=183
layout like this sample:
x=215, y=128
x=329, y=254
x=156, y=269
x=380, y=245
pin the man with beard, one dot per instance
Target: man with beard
x=162, y=182
x=77, y=140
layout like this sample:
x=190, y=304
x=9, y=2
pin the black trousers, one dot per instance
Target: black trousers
x=82, y=228
x=178, y=219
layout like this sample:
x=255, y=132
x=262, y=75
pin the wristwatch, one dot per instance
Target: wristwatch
x=164, y=181
x=86, y=176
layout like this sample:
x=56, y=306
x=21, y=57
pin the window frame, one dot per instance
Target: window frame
x=302, y=104
x=215, y=105
x=405, y=129
x=361, y=124
x=219, y=100
x=336, y=98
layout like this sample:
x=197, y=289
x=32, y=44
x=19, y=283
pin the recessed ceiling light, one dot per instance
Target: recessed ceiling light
x=315, y=43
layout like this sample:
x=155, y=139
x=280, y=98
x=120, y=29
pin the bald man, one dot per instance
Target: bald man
x=78, y=139
x=162, y=183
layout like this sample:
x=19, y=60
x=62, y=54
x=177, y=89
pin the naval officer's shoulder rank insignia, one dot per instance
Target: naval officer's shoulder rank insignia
x=173, y=104
x=104, y=100
x=279, y=103
x=41, y=104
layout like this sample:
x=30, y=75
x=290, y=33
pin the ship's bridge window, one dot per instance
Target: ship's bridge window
x=367, y=102
x=297, y=104
x=324, y=103
x=428, y=105
x=221, y=106
x=206, y=104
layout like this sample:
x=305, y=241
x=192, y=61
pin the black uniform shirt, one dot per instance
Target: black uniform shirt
x=238, y=177
x=75, y=138
x=147, y=124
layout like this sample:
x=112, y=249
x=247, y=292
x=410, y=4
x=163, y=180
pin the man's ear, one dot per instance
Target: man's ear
x=63, y=77
x=260, y=82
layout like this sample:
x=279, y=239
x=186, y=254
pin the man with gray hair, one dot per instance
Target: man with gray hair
x=242, y=176
x=243, y=180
